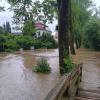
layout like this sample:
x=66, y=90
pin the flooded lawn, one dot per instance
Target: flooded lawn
x=18, y=82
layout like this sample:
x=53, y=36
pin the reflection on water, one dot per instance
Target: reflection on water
x=18, y=82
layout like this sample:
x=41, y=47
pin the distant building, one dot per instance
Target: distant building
x=55, y=35
x=41, y=28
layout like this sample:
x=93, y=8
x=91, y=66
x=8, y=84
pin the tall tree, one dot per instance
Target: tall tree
x=63, y=31
x=7, y=27
x=81, y=12
x=29, y=28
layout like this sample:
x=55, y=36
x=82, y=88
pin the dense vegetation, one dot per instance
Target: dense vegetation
x=15, y=42
x=92, y=34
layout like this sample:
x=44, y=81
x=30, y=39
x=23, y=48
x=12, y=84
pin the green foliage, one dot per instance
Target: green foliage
x=49, y=10
x=25, y=10
x=11, y=45
x=42, y=66
x=21, y=10
x=92, y=34
x=12, y=42
x=68, y=65
x=29, y=28
x=80, y=16
x=2, y=31
x=48, y=41
x=25, y=42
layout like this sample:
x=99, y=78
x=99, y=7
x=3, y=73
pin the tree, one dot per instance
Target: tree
x=7, y=27
x=92, y=34
x=49, y=10
x=29, y=28
x=71, y=30
x=21, y=10
x=81, y=13
x=63, y=31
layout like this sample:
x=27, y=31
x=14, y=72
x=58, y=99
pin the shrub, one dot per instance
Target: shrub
x=25, y=42
x=68, y=65
x=11, y=45
x=42, y=66
x=48, y=41
x=47, y=45
x=12, y=42
x=37, y=43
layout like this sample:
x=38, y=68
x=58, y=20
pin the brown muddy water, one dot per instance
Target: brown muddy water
x=18, y=82
x=91, y=68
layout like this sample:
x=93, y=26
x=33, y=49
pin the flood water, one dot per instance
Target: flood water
x=91, y=68
x=18, y=82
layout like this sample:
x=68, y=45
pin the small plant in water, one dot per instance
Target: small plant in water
x=42, y=66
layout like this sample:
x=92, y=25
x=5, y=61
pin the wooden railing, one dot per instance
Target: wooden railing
x=67, y=87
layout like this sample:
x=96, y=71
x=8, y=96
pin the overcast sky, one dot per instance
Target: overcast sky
x=7, y=16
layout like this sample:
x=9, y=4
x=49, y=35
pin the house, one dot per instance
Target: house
x=56, y=36
x=41, y=28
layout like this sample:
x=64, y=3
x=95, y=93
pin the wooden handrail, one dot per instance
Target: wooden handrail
x=67, y=86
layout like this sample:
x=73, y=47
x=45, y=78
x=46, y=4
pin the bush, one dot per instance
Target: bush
x=48, y=41
x=42, y=66
x=11, y=45
x=47, y=45
x=92, y=34
x=68, y=65
x=37, y=43
x=25, y=42
x=12, y=42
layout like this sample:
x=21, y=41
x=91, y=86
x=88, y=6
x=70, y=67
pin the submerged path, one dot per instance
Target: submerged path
x=90, y=85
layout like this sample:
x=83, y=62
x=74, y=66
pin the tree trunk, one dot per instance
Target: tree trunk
x=77, y=45
x=63, y=31
x=72, y=49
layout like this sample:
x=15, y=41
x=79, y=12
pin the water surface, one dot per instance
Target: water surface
x=18, y=82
